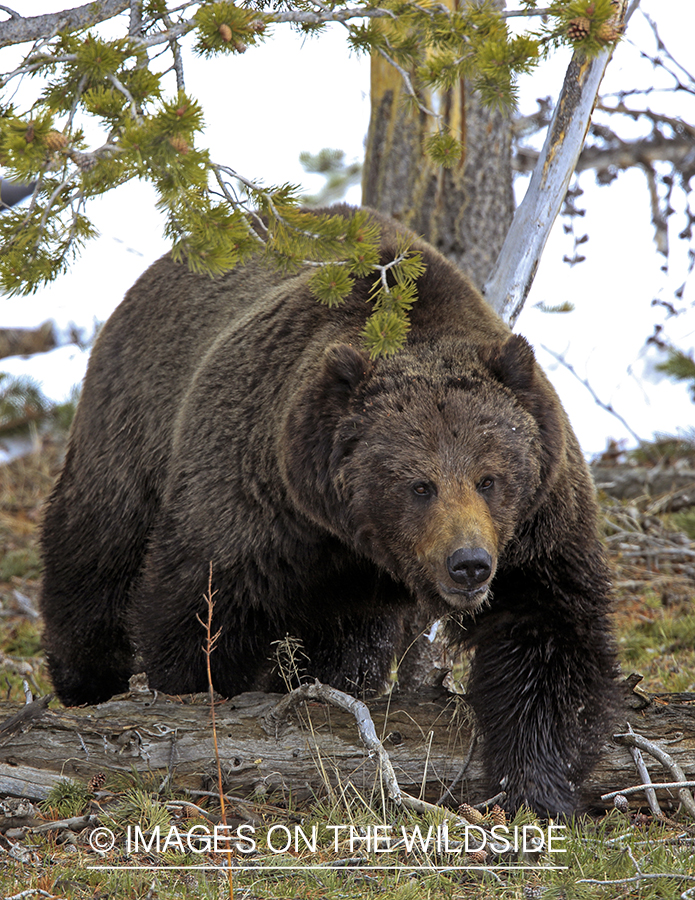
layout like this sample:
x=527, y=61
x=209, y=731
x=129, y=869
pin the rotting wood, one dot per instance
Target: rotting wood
x=426, y=735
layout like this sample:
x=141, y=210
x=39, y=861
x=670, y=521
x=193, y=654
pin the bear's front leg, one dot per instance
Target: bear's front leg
x=543, y=688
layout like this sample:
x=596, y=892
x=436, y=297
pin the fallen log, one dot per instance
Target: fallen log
x=665, y=488
x=307, y=749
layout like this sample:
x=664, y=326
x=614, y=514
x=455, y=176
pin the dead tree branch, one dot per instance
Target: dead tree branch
x=508, y=286
x=18, y=29
x=637, y=742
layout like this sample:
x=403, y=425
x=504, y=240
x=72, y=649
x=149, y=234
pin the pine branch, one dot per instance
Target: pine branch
x=18, y=29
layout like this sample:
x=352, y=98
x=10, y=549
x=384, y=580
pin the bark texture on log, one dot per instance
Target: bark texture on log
x=427, y=736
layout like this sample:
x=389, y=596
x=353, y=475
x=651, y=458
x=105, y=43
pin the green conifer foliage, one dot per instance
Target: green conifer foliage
x=22, y=404
x=680, y=367
x=215, y=216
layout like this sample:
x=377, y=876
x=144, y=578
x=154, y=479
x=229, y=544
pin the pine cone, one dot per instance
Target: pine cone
x=479, y=857
x=56, y=141
x=607, y=33
x=179, y=143
x=96, y=782
x=474, y=816
x=499, y=816
x=579, y=28
x=225, y=32
x=621, y=803
x=533, y=891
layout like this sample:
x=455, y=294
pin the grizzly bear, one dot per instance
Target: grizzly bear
x=235, y=426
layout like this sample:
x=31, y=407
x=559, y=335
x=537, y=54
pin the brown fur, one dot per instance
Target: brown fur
x=237, y=423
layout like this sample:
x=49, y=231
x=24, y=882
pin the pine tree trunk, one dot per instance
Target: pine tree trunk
x=465, y=211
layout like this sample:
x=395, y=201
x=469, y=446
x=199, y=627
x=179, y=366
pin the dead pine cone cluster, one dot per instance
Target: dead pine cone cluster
x=579, y=28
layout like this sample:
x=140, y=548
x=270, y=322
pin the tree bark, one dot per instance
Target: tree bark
x=427, y=736
x=465, y=211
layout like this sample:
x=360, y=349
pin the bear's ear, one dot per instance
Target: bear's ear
x=514, y=364
x=344, y=368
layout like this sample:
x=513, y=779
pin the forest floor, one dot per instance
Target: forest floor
x=619, y=855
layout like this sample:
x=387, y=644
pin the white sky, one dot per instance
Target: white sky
x=293, y=94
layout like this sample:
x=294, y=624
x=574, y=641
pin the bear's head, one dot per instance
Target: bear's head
x=429, y=462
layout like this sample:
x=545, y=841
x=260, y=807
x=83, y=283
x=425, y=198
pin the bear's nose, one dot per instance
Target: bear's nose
x=469, y=567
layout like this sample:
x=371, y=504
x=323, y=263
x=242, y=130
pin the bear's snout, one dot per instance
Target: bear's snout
x=470, y=567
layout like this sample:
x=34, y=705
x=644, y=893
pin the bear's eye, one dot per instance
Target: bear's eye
x=423, y=489
x=486, y=483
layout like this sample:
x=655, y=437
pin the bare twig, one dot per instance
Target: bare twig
x=637, y=742
x=365, y=725
x=367, y=732
x=658, y=219
x=33, y=892
x=632, y=9
x=511, y=13
x=74, y=823
x=619, y=154
x=655, y=876
x=638, y=788
x=606, y=406
x=135, y=26
x=665, y=52
x=208, y=648
x=176, y=53
x=185, y=804
x=410, y=90
x=649, y=791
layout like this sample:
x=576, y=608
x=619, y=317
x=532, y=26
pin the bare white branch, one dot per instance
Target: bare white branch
x=508, y=286
x=638, y=742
